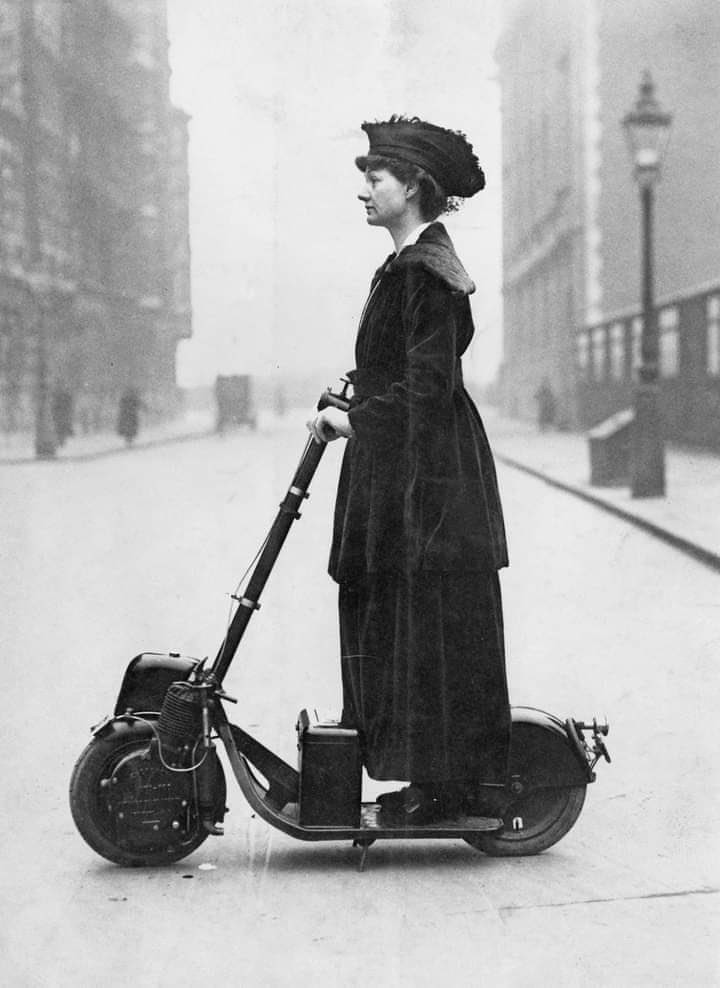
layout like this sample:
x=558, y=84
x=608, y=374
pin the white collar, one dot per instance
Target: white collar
x=413, y=236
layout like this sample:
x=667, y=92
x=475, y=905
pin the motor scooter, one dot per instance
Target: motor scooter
x=149, y=788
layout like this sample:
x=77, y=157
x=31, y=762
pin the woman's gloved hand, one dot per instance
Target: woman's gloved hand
x=331, y=423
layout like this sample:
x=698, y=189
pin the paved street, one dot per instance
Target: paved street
x=104, y=558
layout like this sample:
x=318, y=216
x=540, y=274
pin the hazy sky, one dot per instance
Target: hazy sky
x=277, y=91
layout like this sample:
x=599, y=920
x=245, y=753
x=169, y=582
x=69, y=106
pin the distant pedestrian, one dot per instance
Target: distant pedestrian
x=128, y=423
x=62, y=413
x=280, y=401
x=221, y=404
x=547, y=405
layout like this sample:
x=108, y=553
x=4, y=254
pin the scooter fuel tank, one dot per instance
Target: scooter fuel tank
x=147, y=678
x=330, y=767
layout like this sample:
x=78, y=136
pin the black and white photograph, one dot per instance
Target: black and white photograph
x=360, y=493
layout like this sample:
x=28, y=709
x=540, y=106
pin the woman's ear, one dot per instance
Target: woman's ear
x=411, y=190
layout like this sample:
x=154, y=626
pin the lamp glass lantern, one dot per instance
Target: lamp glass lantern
x=647, y=129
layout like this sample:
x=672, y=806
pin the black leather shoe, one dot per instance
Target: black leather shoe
x=392, y=800
x=410, y=807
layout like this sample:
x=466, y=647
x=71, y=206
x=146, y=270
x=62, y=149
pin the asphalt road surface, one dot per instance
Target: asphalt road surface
x=139, y=551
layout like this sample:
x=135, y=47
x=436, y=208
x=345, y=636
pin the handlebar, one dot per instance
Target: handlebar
x=341, y=401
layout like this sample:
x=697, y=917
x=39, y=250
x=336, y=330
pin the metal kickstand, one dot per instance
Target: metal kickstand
x=365, y=845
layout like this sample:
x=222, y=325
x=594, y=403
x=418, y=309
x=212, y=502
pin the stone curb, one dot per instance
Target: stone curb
x=705, y=556
x=111, y=450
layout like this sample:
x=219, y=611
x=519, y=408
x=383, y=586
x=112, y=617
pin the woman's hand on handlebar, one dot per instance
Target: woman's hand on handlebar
x=331, y=423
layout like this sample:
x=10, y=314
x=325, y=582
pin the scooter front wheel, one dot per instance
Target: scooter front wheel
x=533, y=822
x=128, y=807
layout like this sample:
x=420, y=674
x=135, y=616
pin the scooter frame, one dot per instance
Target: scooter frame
x=561, y=757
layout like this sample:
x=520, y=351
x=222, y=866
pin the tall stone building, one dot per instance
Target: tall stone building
x=94, y=249
x=569, y=72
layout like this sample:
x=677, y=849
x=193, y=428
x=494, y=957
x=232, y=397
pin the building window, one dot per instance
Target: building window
x=668, y=325
x=48, y=14
x=713, y=335
x=10, y=58
x=636, y=330
x=617, y=351
x=598, y=353
x=583, y=354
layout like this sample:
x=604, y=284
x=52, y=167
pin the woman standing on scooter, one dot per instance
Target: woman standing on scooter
x=418, y=532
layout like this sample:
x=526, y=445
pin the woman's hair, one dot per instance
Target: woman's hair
x=433, y=200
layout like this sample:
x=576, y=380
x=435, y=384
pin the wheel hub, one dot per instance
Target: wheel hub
x=147, y=804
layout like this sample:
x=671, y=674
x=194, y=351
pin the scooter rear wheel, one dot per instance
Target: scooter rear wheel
x=119, y=755
x=533, y=822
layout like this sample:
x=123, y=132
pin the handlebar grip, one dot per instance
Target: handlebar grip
x=328, y=398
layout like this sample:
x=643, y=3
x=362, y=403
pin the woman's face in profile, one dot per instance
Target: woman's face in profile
x=384, y=196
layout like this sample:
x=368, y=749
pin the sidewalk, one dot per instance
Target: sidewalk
x=688, y=517
x=19, y=448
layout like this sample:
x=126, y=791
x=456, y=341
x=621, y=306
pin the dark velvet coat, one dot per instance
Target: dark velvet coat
x=417, y=488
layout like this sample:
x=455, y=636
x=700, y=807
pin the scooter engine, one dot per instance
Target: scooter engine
x=180, y=722
x=153, y=793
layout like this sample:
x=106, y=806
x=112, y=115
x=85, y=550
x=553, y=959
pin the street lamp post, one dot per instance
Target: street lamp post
x=45, y=438
x=647, y=128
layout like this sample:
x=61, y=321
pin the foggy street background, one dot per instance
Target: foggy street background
x=138, y=551
x=276, y=95
x=178, y=201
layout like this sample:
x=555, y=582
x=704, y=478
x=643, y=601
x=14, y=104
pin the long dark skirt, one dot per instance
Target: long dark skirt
x=423, y=670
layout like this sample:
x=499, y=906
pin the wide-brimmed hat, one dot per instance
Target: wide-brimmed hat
x=447, y=155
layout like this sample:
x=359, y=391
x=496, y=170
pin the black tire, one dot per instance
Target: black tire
x=546, y=816
x=89, y=801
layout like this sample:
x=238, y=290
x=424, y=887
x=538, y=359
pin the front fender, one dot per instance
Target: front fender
x=542, y=754
x=147, y=678
x=119, y=728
